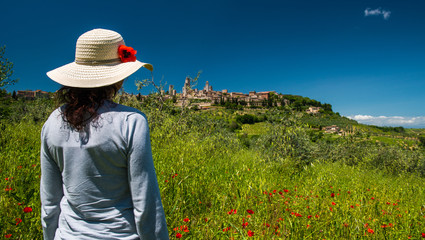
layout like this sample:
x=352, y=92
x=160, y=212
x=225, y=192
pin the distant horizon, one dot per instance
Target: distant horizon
x=381, y=121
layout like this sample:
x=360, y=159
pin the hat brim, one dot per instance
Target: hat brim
x=89, y=76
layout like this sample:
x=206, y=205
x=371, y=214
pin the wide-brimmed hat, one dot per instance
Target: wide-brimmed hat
x=101, y=59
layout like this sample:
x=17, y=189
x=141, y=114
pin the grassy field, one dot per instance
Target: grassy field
x=218, y=184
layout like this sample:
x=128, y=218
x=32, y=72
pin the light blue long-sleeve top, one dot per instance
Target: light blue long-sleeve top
x=100, y=183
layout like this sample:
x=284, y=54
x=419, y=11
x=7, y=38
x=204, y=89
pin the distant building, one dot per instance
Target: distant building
x=30, y=95
x=313, y=110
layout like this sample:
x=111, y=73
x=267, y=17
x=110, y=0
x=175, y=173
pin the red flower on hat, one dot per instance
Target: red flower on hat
x=127, y=54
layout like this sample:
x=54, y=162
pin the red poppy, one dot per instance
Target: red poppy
x=333, y=203
x=423, y=235
x=369, y=230
x=309, y=216
x=186, y=220
x=332, y=194
x=27, y=209
x=178, y=235
x=7, y=235
x=234, y=211
x=250, y=211
x=250, y=233
x=244, y=224
x=18, y=221
x=285, y=190
x=126, y=54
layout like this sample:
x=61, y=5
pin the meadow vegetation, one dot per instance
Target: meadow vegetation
x=240, y=173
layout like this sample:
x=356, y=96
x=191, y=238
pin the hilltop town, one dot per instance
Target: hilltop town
x=207, y=97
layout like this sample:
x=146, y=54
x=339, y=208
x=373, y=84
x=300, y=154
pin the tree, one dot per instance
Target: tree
x=6, y=70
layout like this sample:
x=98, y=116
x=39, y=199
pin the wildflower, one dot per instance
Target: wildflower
x=206, y=219
x=266, y=224
x=348, y=192
x=309, y=216
x=308, y=225
x=330, y=208
x=178, y=235
x=317, y=216
x=373, y=198
x=166, y=181
x=388, y=203
x=384, y=225
x=244, y=224
x=234, y=211
x=250, y=211
x=226, y=229
x=351, y=206
x=18, y=221
x=250, y=233
x=345, y=224
x=369, y=230
x=333, y=203
x=286, y=190
x=8, y=235
x=27, y=209
x=332, y=194
x=186, y=220
x=423, y=235
x=366, y=224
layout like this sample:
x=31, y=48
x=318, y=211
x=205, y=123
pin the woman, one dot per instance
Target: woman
x=97, y=175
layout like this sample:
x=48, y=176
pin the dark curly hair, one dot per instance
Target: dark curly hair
x=81, y=104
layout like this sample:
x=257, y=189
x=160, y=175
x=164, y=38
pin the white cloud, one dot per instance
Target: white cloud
x=376, y=12
x=393, y=121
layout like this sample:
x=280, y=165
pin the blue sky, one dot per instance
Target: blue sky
x=366, y=58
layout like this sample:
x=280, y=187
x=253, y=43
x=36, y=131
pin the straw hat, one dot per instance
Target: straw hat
x=101, y=59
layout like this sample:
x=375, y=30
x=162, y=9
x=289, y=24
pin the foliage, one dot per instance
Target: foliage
x=6, y=70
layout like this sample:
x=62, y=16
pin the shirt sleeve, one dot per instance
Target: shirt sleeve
x=51, y=191
x=148, y=210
